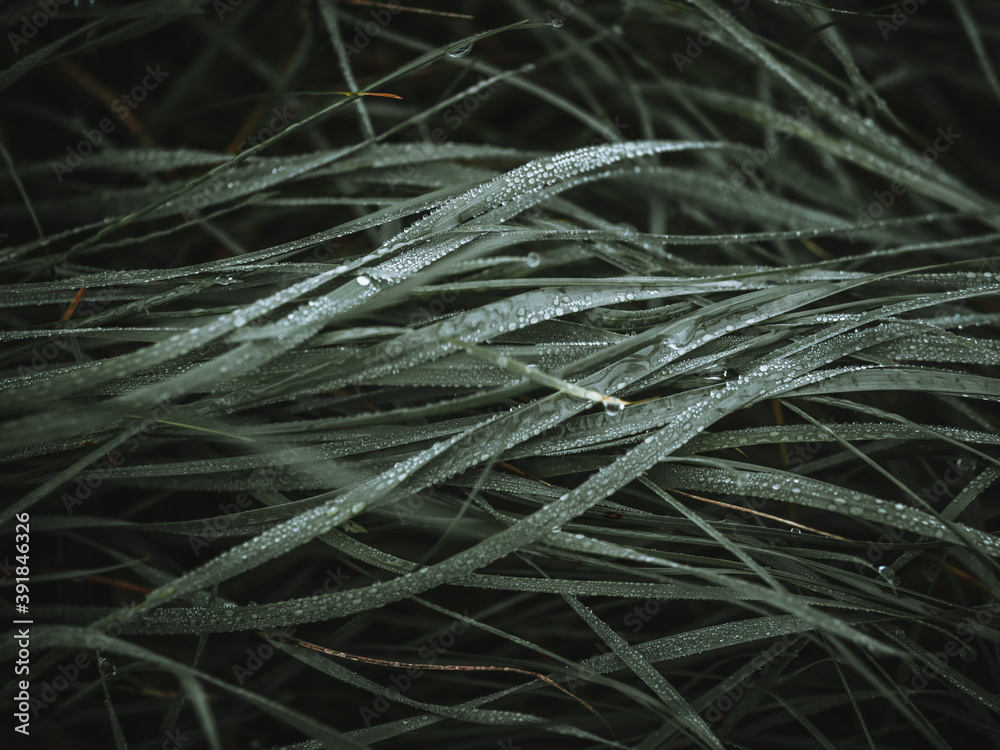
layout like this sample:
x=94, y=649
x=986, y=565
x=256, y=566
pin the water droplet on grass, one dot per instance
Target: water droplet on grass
x=965, y=464
x=556, y=23
x=888, y=574
x=613, y=408
x=461, y=51
x=533, y=259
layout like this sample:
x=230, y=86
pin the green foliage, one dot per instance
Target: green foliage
x=647, y=347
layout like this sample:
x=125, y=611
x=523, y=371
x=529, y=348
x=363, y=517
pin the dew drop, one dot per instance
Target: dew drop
x=364, y=280
x=107, y=668
x=461, y=51
x=613, y=408
x=533, y=259
x=888, y=574
x=965, y=464
x=556, y=23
